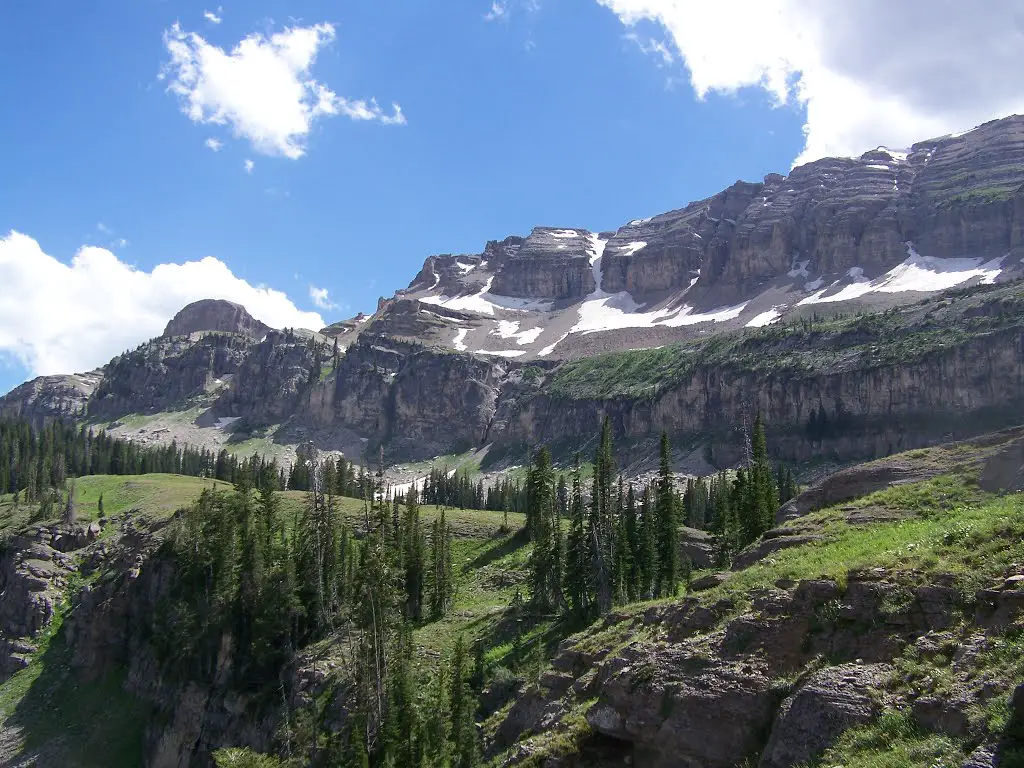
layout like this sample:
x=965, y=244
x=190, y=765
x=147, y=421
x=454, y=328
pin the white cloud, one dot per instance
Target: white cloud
x=498, y=11
x=249, y=165
x=65, y=318
x=321, y=298
x=212, y=17
x=214, y=144
x=101, y=227
x=263, y=88
x=657, y=48
x=868, y=72
x=121, y=242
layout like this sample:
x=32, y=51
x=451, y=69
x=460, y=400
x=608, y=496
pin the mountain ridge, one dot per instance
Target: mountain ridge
x=476, y=349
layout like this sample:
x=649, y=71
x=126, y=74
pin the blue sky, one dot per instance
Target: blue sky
x=519, y=113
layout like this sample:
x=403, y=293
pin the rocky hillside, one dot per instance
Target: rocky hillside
x=887, y=627
x=814, y=297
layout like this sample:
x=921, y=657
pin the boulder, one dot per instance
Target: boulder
x=816, y=715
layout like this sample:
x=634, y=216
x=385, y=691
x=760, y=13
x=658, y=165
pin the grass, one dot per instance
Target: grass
x=955, y=529
x=894, y=741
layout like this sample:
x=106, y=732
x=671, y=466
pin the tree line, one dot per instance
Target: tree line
x=622, y=543
x=34, y=461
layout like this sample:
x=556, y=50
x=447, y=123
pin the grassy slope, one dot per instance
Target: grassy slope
x=950, y=527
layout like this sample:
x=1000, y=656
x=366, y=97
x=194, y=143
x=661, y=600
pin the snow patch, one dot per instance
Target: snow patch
x=460, y=339
x=631, y=248
x=879, y=167
x=638, y=222
x=529, y=336
x=765, y=318
x=510, y=330
x=502, y=353
x=551, y=347
x=565, y=233
x=465, y=269
x=485, y=302
x=926, y=274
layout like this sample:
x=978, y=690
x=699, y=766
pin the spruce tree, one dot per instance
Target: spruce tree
x=541, y=517
x=463, y=727
x=577, y=561
x=666, y=513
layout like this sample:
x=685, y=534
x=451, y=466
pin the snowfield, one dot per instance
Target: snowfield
x=765, y=318
x=916, y=273
x=485, y=303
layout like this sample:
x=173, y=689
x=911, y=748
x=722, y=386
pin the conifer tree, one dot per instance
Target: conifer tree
x=666, y=508
x=545, y=591
x=442, y=587
x=463, y=728
x=578, y=561
x=414, y=557
x=648, y=560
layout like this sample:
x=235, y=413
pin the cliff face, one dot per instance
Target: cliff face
x=397, y=393
x=951, y=197
x=51, y=397
x=166, y=373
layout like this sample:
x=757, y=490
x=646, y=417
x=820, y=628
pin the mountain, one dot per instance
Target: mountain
x=811, y=297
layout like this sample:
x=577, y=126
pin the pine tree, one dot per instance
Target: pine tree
x=648, y=561
x=577, y=561
x=541, y=521
x=414, y=557
x=463, y=727
x=666, y=509
x=442, y=587
x=601, y=530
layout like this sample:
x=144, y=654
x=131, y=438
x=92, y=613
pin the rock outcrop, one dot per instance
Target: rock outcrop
x=215, y=315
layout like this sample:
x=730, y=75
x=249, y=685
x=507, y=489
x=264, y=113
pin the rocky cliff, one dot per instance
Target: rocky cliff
x=215, y=315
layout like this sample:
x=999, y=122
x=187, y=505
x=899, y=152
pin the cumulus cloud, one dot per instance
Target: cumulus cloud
x=249, y=165
x=212, y=17
x=64, y=318
x=214, y=144
x=867, y=72
x=321, y=298
x=263, y=88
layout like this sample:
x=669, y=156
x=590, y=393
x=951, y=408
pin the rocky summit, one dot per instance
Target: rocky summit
x=215, y=315
x=739, y=484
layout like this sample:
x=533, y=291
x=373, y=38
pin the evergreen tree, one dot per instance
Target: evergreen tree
x=648, y=560
x=666, y=507
x=442, y=587
x=578, y=560
x=463, y=727
x=414, y=558
x=545, y=591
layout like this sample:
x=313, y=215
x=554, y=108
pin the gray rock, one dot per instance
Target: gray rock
x=816, y=715
x=215, y=315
